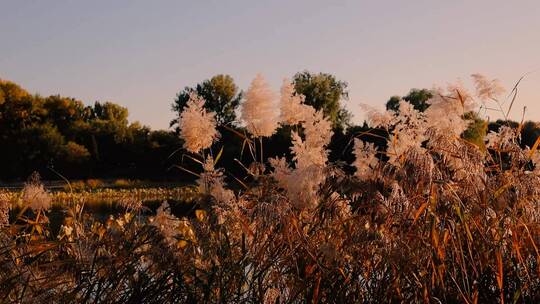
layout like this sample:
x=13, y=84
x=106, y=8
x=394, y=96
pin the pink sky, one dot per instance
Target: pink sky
x=141, y=53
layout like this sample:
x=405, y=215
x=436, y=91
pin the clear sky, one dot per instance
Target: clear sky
x=141, y=53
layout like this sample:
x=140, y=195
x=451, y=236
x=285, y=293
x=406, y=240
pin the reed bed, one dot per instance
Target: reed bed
x=430, y=218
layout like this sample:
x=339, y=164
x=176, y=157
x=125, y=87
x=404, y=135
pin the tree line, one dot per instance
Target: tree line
x=61, y=136
x=58, y=135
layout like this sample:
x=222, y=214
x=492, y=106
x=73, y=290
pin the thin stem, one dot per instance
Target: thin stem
x=261, y=144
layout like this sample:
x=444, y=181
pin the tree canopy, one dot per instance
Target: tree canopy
x=417, y=97
x=324, y=92
x=42, y=133
x=221, y=95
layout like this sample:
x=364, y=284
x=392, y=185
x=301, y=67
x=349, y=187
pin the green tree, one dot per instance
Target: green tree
x=64, y=113
x=324, y=92
x=221, y=95
x=417, y=97
x=37, y=147
x=476, y=131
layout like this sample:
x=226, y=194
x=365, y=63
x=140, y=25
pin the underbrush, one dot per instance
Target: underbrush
x=429, y=218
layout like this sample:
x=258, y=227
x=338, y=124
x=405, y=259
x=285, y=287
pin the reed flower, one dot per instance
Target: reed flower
x=434, y=217
x=317, y=135
x=258, y=109
x=487, y=89
x=291, y=103
x=310, y=157
x=197, y=127
x=211, y=182
x=501, y=139
x=166, y=223
x=365, y=159
x=409, y=126
x=36, y=197
x=302, y=184
x=376, y=118
x=446, y=110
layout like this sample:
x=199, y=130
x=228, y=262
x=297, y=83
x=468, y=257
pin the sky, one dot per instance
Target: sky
x=140, y=54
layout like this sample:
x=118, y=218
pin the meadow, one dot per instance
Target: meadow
x=429, y=217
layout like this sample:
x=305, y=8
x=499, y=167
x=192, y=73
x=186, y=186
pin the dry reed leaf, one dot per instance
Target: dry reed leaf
x=502, y=189
x=420, y=211
x=200, y=214
x=500, y=275
x=534, y=147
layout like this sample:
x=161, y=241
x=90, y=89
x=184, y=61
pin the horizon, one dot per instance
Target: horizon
x=103, y=51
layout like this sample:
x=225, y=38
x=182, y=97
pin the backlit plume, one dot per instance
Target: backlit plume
x=318, y=132
x=366, y=160
x=447, y=108
x=291, y=104
x=197, y=127
x=408, y=133
x=487, y=89
x=310, y=157
x=376, y=118
x=35, y=196
x=211, y=181
x=258, y=109
x=166, y=223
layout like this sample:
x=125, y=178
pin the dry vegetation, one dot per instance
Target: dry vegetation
x=433, y=218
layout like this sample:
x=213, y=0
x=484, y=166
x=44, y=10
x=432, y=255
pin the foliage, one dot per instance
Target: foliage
x=476, y=131
x=221, y=95
x=62, y=134
x=324, y=92
x=417, y=97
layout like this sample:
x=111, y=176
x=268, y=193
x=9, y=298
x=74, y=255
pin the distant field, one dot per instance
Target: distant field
x=55, y=185
x=105, y=200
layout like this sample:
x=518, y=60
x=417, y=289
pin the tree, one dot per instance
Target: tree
x=221, y=95
x=64, y=112
x=417, y=97
x=530, y=132
x=10, y=91
x=476, y=131
x=324, y=92
x=39, y=133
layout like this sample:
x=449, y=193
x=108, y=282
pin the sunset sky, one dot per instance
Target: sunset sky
x=141, y=53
